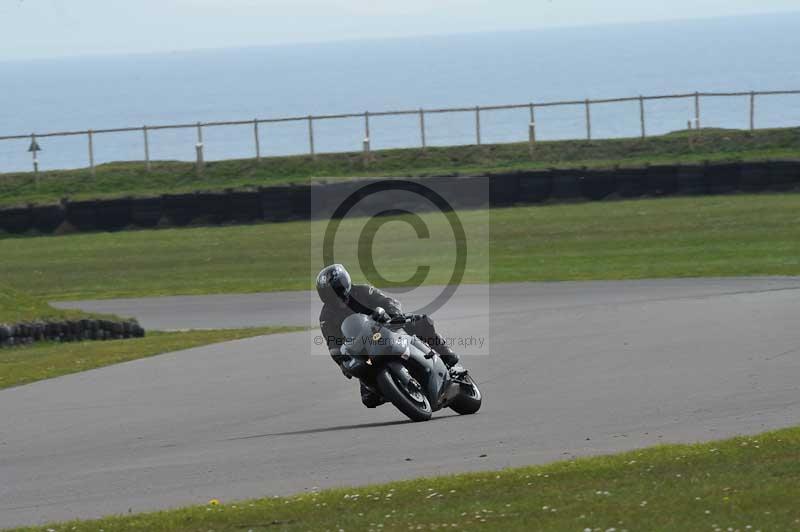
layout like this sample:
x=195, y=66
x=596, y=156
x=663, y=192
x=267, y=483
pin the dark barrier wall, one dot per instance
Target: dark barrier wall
x=245, y=206
x=48, y=218
x=567, y=183
x=82, y=215
x=534, y=187
x=754, y=177
x=179, y=209
x=17, y=220
x=68, y=331
x=276, y=205
x=598, y=184
x=115, y=214
x=784, y=175
x=294, y=202
x=631, y=182
x=146, y=212
x=692, y=179
x=723, y=178
x=661, y=180
x=460, y=192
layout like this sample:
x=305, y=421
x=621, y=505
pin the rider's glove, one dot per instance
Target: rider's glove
x=380, y=315
x=340, y=358
x=354, y=367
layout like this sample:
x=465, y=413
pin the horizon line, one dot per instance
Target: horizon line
x=286, y=44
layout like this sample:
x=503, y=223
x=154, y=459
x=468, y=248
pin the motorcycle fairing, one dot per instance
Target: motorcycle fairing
x=364, y=336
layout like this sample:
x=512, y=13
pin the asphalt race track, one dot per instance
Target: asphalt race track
x=575, y=369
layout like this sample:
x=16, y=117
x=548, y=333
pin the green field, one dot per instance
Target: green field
x=736, y=235
x=131, y=179
x=23, y=365
x=17, y=307
x=744, y=484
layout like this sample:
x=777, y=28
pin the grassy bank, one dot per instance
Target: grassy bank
x=17, y=307
x=126, y=179
x=743, y=484
x=671, y=237
x=24, y=365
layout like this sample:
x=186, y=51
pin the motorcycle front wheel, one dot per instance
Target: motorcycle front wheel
x=469, y=400
x=404, y=393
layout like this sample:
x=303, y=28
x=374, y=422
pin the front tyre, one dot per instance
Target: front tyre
x=405, y=393
x=469, y=400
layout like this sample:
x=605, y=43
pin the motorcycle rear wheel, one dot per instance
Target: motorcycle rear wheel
x=409, y=400
x=469, y=400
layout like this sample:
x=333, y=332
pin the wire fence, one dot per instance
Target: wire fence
x=470, y=127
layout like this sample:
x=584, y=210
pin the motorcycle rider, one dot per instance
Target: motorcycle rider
x=341, y=298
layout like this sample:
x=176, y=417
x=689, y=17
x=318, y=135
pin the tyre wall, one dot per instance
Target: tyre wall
x=26, y=333
x=294, y=202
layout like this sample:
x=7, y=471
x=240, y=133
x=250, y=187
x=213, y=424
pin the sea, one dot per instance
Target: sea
x=458, y=70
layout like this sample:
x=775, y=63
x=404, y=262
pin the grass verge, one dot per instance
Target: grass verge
x=24, y=365
x=742, y=484
x=735, y=235
x=132, y=179
x=17, y=307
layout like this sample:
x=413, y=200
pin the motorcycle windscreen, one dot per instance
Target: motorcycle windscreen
x=385, y=342
x=365, y=336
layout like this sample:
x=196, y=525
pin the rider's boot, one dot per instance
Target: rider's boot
x=370, y=398
x=445, y=352
x=426, y=331
x=450, y=359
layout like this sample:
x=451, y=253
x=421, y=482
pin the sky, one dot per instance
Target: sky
x=55, y=28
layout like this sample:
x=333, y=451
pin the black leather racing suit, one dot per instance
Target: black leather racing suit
x=364, y=299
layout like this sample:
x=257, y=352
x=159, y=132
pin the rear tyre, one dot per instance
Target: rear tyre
x=408, y=398
x=469, y=400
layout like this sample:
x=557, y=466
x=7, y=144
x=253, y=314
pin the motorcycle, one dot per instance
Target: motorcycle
x=405, y=370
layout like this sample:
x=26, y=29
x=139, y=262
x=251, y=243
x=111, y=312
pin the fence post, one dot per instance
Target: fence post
x=34, y=151
x=531, y=137
x=146, y=149
x=588, y=120
x=311, y=137
x=478, y=124
x=697, y=110
x=752, y=111
x=257, y=139
x=367, y=139
x=91, y=153
x=199, y=148
x=641, y=116
x=422, y=129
